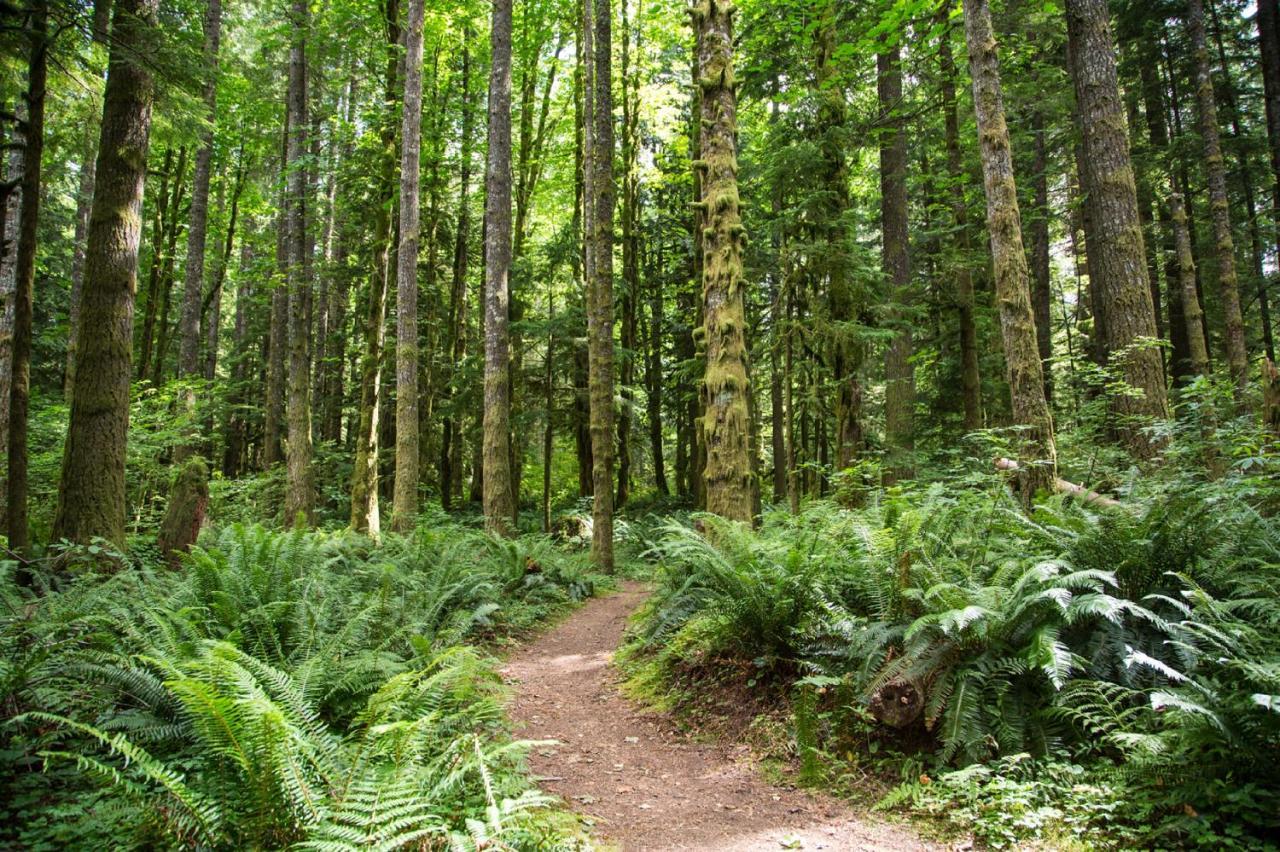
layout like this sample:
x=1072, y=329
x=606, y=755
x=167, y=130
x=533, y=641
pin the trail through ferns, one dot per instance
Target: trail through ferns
x=644, y=786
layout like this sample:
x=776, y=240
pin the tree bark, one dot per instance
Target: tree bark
x=653, y=375
x=91, y=491
x=1194, y=316
x=1041, y=291
x=163, y=332
x=1117, y=259
x=451, y=444
x=404, y=506
x=497, y=496
x=1012, y=284
x=11, y=203
x=84, y=204
x=197, y=228
x=630, y=255
x=25, y=281
x=1219, y=203
x=598, y=230
x=1268, y=21
x=899, y=393
x=726, y=385
x=970, y=376
x=365, y=515
x=299, y=501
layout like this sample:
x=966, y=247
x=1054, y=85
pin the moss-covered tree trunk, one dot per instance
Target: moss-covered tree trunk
x=1117, y=259
x=451, y=438
x=91, y=492
x=846, y=351
x=1268, y=22
x=84, y=204
x=299, y=495
x=1158, y=137
x=1219, y=203
x=1009, y=261
x=499, y=510
x=970, y=376
x=25, y=281
x=404, y=503
x=365, y=513
x=598, y=238
x=1042, y=289
x=726, y=424
x=900, y=386
x=198, y=225
x=1192, y=313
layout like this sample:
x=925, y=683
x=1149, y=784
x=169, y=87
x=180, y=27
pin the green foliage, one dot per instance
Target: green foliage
x=1074, y=660
x=281, y=689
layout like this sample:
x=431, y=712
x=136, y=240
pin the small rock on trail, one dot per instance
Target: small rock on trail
x=643, y=785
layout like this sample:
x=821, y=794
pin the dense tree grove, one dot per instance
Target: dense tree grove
x=375, y=268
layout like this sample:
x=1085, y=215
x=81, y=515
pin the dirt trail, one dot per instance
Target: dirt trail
x=643, y=785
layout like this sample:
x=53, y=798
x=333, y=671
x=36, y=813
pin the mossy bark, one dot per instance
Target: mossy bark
x=188, y=501
x=25, y=282
x=1117, y=257
x=499, y=507
x=726, y=423
x=365, y=510
x=451, y=467
x=970, y=375
x=1219, y=203
x=1192, y=314
x=198, y=228
x=404, y=504
x=832, y=262
x=1012, y=277
x=900, y=384
x=598, y=238
x=299, y=496
x=91, y=491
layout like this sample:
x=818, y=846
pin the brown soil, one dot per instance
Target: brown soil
x=641, y=783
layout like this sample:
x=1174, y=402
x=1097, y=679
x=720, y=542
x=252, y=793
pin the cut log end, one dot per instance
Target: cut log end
x=897, y=704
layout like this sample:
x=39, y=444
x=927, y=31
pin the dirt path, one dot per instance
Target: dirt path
x=643, y=785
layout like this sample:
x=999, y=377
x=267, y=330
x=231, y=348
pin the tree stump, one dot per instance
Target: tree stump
x=188, y=500
x=897, y=704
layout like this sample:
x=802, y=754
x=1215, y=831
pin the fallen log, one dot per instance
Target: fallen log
x=1062, y=486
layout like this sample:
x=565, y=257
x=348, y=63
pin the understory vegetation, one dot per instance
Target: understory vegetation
x=283, y=689
x=1085, y=674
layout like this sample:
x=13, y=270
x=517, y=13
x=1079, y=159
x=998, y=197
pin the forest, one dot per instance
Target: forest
x=412, y=409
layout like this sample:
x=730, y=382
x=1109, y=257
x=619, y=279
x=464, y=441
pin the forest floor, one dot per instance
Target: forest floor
x=641, y=783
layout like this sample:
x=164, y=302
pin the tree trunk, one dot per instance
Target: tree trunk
x=236, y=432
x=1191, y=311
x=1012, y=284
x=630, y=255
x=726, y=385
x=84, y=204
x=1117, y=260
x=1158, y=135
x=25, y=281
x=91, y=491
x=900, y=392
x=1268, y=20
x=365, y=516
x=1219, y=203
x=970, y=377
x=598, y=233
x=404, y=507
x=163, y=335
x=451, y=445
x=299, y=500
x=846, y=351
x=10, y=203
x=197, y=228
x=159, y=223
x=653, y=376
x=497, y=491
x=1041, y=292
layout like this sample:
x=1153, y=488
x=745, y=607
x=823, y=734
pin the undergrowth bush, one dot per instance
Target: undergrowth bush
x=1060, y=664
x=281, y=689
